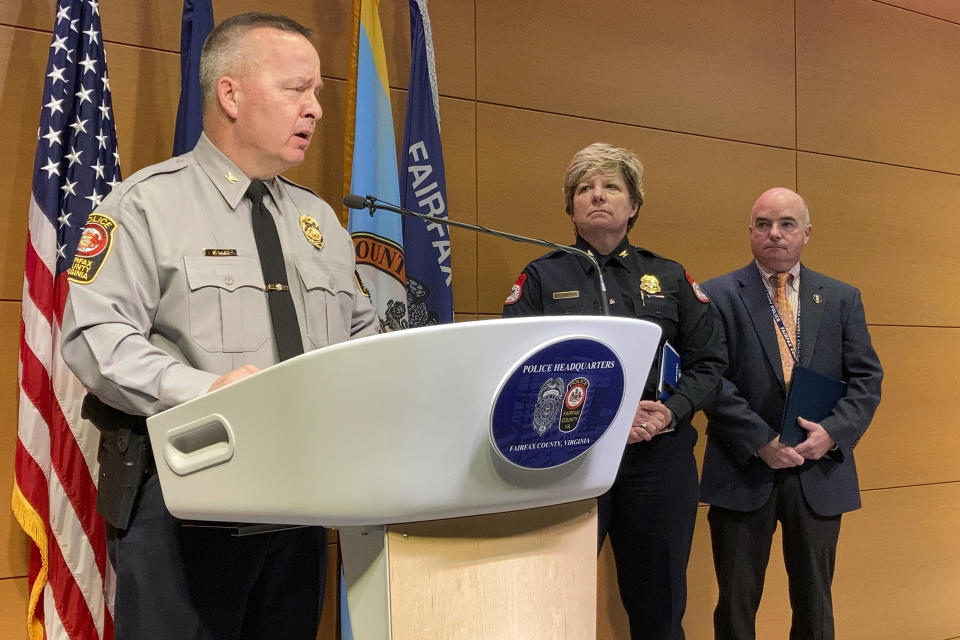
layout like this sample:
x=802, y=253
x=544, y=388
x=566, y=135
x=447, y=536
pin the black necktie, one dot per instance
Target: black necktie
x=608, y=265
x=283, y=315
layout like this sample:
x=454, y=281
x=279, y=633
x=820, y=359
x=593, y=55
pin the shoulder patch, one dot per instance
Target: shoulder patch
x=93, y=249
x=697, y=291
x=517, y=290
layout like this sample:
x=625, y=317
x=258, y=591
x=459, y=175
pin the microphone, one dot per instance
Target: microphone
x=353, y=201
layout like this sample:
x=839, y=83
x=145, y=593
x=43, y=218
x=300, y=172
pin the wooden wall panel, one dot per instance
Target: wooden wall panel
x=917, y=389
x=32, y=15
x=453, y=34
x=145, y=87
x=943, y=9
x=20, y=87
x=13, y=608
x=898, y=573
x=694, y=66
x=888, y=230
x=153, y=24
x=877, y=83
x=13, y=542
x=698, y=191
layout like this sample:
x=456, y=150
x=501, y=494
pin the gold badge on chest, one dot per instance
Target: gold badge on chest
x=649, y=284
x=312, y=231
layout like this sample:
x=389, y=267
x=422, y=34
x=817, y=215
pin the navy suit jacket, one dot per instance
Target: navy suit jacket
x=746, y=413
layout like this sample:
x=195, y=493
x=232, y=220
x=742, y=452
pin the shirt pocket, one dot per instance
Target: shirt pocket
x=328, y=299
x=663, y=310
x=567, y=306
x=228, y=305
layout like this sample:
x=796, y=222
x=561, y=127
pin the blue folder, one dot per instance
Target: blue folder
x=812, y=396
x=670, y=368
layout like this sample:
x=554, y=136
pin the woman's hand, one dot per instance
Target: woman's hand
x=652, y=417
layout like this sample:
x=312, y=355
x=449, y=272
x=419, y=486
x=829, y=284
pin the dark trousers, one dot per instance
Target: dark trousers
x=185, y=583
x=650, y=514
x=741, y=550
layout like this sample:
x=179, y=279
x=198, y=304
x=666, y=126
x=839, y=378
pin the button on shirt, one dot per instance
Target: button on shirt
x=180, y=298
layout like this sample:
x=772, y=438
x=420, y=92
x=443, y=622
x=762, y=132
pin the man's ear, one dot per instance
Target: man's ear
x=228, y=95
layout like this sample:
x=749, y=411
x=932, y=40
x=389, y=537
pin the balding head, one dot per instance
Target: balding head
x=779, y=228
x=781, y=197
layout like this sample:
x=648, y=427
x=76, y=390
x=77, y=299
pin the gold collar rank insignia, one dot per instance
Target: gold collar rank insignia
x=232, y=179
x=624, y=253
x=649, y=283
x=312, y=231
x=817, y=298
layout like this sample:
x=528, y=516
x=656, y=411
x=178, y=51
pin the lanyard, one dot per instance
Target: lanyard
x=794, y=351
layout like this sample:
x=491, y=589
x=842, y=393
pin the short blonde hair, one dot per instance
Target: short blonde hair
x=605, y=159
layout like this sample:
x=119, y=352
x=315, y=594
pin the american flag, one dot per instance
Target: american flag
x=54, y=493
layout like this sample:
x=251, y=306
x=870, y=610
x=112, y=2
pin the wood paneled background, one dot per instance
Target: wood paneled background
x=854, y=103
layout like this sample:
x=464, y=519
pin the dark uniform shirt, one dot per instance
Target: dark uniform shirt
x=640, y=284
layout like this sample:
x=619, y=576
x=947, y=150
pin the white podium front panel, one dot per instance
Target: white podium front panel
x=385, y=429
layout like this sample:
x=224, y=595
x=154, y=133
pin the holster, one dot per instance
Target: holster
x=125, y=459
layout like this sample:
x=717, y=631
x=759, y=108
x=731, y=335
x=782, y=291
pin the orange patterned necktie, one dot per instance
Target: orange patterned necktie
x=782, y=303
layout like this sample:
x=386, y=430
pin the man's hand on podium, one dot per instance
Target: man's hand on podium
x=233, y=376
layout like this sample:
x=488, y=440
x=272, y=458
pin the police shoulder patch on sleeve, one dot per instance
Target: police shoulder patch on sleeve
x=362, y=287
x=93, y=249
x=697, y=291
x=517, y=290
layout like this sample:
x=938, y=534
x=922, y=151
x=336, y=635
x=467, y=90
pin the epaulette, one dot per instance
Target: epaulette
x=556, y=253
x=656, y=255
x=167, y=167
x=290, y=182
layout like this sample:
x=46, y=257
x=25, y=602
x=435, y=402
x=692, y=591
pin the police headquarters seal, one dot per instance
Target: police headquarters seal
x=557, y=402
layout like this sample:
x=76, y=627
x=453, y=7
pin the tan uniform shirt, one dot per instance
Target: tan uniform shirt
x=167, y=294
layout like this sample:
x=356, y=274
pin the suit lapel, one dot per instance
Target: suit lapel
x=812, y=304
x=754, y=297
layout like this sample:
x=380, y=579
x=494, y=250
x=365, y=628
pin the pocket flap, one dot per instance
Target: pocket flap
x=228, y=273
x=332, y=277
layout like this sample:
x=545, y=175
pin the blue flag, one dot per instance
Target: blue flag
x=378, y=241
x=424, y=185
x=196, y=25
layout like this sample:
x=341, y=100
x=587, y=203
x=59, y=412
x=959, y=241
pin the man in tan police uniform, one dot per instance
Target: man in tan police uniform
x=169, y=301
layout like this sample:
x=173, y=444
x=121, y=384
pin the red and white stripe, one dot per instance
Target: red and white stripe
x=54, y=497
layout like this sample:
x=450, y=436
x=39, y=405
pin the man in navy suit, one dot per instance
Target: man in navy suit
x=776, y=312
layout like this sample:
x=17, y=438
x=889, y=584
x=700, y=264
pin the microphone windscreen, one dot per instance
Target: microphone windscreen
x=354, y=201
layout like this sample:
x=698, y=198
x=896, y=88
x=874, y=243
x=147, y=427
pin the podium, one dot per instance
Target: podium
x=459, y=463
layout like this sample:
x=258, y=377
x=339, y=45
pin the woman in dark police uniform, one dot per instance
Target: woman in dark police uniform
x=651, y=509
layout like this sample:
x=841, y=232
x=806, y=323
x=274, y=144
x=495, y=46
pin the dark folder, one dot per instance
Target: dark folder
x=812, y=396
x=671, y=366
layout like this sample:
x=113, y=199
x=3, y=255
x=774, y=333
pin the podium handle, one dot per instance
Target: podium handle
x=199, y=445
